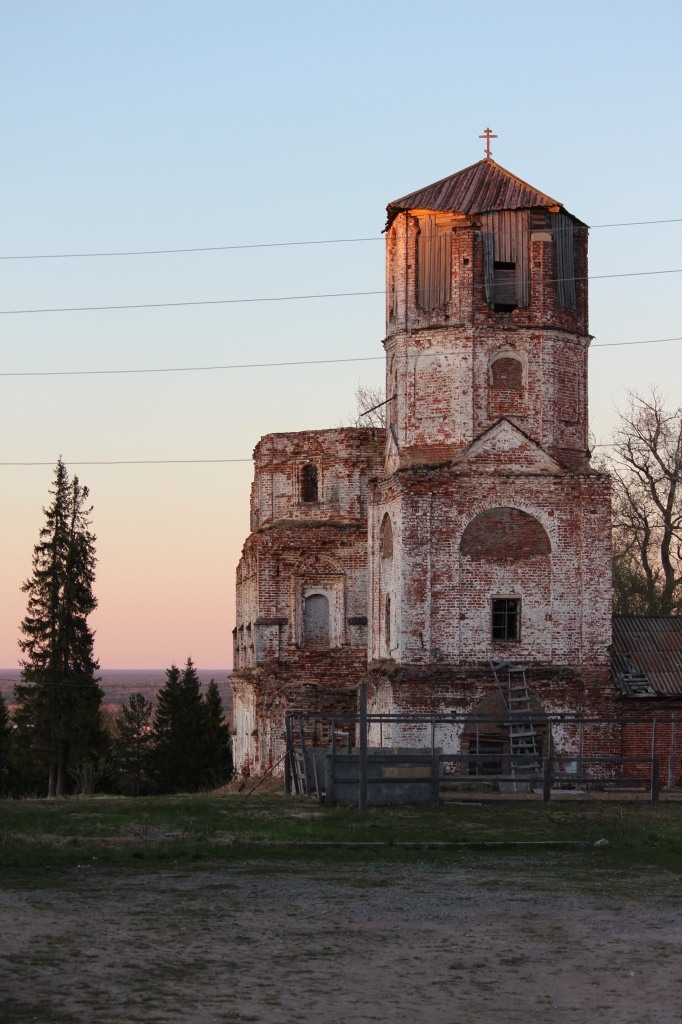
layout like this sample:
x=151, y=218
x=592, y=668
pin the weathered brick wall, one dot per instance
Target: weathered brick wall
x=471, y=690
x=439, y=362
x=344, y=459
x=320, y=683
x=441, y=596
x=490, y=413
x=299, y=549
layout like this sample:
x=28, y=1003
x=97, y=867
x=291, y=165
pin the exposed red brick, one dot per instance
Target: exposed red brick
x=481, y=487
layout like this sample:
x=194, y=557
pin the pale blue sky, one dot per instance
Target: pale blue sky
x=169, y=124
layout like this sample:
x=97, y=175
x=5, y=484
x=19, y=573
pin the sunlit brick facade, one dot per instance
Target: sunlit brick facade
x=475, y=528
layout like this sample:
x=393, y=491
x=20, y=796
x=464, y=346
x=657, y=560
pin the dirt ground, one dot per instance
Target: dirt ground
x=486, y=942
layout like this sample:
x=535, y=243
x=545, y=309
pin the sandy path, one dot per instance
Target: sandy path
x=446, y=946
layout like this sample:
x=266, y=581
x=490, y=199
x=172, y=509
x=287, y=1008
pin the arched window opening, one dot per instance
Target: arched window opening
x=309, y=483
x=386, y=537
x=316, y=621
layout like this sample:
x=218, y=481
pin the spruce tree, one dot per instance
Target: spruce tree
x=58, y=703
x=179, y=732
x=6, y=780
x=132, y=744
x=217, y=744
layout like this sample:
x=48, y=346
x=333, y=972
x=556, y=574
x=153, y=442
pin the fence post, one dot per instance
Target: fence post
x=362, y=779
x=547, y=779
x=301, y=731
x=655, y=779
x=671, y=759
x=288, y=788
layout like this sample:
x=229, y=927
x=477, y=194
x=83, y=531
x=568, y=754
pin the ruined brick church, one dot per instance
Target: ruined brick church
x=473, y=529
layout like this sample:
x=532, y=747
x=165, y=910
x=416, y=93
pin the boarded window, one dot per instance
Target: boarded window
x=506, y=619
x=434, y=264
x=501, y=534
x=562, y=229
x=309, y=483
x=507, y=374
x=316, y=621
x=506, y=259
x=490, y=763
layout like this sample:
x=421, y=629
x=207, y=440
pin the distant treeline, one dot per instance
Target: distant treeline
x=180, y=742
x=118, y=684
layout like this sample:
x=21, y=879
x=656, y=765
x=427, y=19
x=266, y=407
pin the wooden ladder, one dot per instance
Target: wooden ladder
x=524, y=743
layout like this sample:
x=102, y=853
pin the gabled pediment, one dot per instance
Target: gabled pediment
x=505, y=446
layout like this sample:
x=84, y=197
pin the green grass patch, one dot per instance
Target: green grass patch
x=83, y=832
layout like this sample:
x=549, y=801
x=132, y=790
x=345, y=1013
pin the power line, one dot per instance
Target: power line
x=636, y=223
x=194, y=302
x=180, y=369
x=283, y=298
x=187, y=369
x=267, y=245
x=646, y=341
x=128, y=462
x=198, y=248
x=262, y=366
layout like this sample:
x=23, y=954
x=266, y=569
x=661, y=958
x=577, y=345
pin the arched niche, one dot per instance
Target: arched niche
x=487, y=733
x=508, y=378
x=316, y=620
x=505, y=534
x=386, y=537
x=319, y=599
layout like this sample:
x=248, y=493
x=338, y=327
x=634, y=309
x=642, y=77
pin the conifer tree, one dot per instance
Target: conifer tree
x=179, y=732
x=133, y=739
x=217, y=745
x=58, y=703
x=5, y=749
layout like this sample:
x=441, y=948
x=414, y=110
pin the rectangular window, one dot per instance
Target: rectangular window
x=504, y=288
x=506, y=616
x=506, y=259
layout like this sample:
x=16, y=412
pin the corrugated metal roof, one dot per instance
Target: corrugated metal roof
x=649, y=646
x=481, y=188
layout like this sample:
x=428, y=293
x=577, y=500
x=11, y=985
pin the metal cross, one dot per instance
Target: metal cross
x=487, y=135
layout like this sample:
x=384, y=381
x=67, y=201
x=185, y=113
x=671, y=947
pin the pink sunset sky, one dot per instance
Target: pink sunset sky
x=130, y=127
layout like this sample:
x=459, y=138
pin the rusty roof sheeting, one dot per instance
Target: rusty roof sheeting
x=650, y=646
x=481, y=188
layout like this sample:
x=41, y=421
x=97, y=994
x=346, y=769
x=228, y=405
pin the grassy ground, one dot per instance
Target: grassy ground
x=37, y=834
x=218, y=908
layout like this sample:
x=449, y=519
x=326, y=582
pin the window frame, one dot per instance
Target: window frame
x=509, y=599
x=310, y=483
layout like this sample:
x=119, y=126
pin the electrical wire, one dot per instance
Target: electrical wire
x=646, y=341
x=269, y=245
x=193, y=302
x=262, y=366
x=284, y=298
x=188, y=369
x=128, y=462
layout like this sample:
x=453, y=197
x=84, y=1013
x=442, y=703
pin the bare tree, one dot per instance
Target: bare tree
x=367, y=399
x=646, y=460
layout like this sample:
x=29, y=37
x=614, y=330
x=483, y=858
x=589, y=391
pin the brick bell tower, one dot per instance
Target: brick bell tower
x=489, y=532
